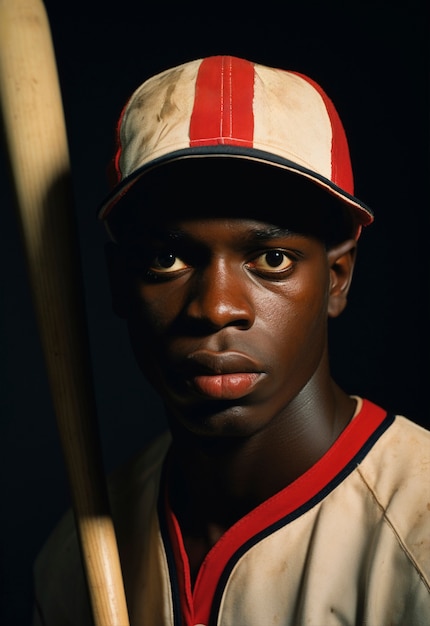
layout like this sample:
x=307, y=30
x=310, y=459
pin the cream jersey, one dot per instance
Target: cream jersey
x=346, y=544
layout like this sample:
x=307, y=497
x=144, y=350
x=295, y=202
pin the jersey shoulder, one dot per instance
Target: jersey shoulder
x=397, y=475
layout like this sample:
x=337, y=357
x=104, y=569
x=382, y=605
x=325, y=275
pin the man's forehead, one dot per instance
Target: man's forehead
x=250, y=228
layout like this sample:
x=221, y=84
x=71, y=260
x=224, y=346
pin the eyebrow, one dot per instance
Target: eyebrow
x=166, y=233
x=270, y=232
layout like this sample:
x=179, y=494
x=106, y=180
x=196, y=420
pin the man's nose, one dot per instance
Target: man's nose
x=221, y=297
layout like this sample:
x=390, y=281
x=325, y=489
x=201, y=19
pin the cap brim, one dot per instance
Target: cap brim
x=362, y=212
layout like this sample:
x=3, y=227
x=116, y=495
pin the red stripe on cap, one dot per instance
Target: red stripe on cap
x=341, y=169
x=223, y=104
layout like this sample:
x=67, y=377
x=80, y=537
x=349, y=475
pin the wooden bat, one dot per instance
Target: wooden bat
x=36, y=142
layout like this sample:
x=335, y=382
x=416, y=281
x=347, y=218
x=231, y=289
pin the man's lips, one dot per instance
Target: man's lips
x=221, y=375
x=228, y=362
x=226, y=386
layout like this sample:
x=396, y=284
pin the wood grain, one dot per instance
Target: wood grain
x=36, y=142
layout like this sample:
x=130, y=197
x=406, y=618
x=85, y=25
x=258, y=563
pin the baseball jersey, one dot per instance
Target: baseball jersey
x=345, y=544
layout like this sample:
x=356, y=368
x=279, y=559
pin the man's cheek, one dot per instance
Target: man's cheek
x=148, y=316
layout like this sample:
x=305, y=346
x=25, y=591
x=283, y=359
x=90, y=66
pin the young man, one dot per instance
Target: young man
x=276, y=498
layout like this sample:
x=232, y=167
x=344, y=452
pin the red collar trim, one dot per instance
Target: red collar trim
x=276, y=511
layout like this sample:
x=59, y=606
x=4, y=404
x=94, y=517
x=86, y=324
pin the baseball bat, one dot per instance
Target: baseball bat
x=37, y=148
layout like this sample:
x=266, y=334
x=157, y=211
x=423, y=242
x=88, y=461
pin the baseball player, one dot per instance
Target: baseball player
x=275, y=497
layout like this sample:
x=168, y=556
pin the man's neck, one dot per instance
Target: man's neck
x=215, y=483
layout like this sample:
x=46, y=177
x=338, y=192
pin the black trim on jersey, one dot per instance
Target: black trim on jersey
x=348, y=469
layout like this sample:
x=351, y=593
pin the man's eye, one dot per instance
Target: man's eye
x=272, y=261
x=167, y=262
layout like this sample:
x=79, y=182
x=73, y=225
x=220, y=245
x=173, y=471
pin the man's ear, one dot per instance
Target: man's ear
x=341, y=264
x=119, y=279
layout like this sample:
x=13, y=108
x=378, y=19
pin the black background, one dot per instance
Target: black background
x=372, y=59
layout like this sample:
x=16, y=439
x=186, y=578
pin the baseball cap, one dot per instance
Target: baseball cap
x=225, y=106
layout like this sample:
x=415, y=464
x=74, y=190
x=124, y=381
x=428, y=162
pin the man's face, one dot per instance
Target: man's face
x=227, y=318
x=227, y=315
